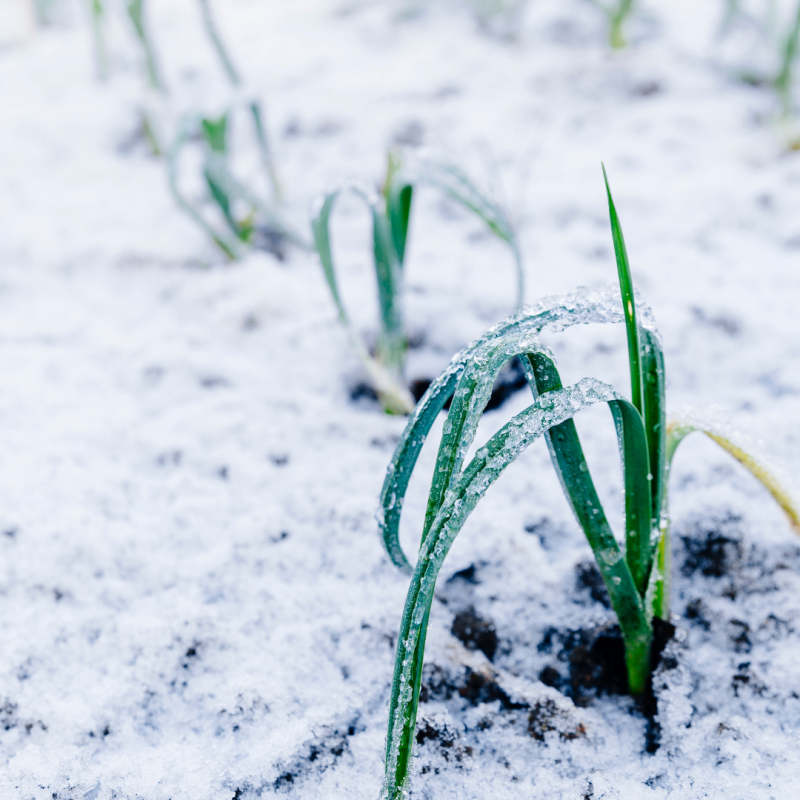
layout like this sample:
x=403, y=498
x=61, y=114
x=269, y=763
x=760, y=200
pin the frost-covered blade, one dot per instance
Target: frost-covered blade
x=503, y=448
x=581, y=307
x=456, y=185
x=386, y=370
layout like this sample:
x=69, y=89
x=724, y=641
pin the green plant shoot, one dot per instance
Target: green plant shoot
x=136, y=14
x=617, y=12
x=250, y=221
x=254, y=106
x=637, y=576
x=391, y=213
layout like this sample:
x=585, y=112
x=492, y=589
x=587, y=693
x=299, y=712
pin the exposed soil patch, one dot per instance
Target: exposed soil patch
x=510, y=380
x=475, y=632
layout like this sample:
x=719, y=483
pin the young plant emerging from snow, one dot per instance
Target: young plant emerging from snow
x=254, y=106
x=391, y=213
x=250, y=221
x=617, y=12
x=781, y=30
x=136, y=13
x=636, y=573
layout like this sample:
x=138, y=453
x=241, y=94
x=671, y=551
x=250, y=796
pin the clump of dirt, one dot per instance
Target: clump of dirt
x=546, y=716
x=588, y=577
x=484, y=687
x=476, y=632
x=473, y=685
x=440, y=741
x=594, y=665
x=322, y=752
x=594, y=659
x=714, y=548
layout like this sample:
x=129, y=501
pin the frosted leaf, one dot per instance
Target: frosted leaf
x=459, y=501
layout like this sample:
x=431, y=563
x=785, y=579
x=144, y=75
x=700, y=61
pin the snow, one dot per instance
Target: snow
x=194, y=598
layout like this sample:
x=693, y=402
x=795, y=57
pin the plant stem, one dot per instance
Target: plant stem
x=136, y=14
x=211, y=30
x=266, y=153
x=230, y=250
x=618, y=17
x=101, y=57
x=783, y=81
x=254, y=106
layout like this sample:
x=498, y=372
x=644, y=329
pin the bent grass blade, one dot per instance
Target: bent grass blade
x=230, y=248
x=456, y=185
x=386, y=377
x=136, y=14
x=556, y=313
x=254, y=106
x=680, y=427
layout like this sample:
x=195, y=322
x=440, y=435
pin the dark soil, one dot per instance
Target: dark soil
x=510, y=380
x=475, y=632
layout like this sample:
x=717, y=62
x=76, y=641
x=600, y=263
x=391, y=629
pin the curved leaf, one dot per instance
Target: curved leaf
x=679, y=428
x=555, y=313
x=628, y=302
x=385, y=371
x=231, y=249
x=550, y=410
x=456, y=185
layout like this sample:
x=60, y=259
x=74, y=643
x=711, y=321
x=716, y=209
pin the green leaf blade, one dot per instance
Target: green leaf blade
x=628, y=302
x=484, y=469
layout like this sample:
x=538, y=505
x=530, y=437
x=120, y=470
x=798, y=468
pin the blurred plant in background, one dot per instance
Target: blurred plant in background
x=617, y=12
x=391, y=213
x=769, y=31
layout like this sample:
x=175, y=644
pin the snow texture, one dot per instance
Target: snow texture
x=194, y=598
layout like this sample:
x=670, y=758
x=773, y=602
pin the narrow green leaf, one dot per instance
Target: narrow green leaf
x=216, y=41
x=456, y=185
x=215, y=133
x=635, y=467
x=392, y=342
x=320, y=229
x=398, y=193
x=136, y=14
x=405, y=459
x=556, y=313
x=655, y=417
x=618, y=18
x=470, y=398
x=628, y=303
x=656, y=425
x=385, y=372
x=573, y=473
x=784, y=79
x=265, y=150
x=229, y=248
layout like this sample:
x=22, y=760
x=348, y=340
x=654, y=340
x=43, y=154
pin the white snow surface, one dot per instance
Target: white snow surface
x=194, y=599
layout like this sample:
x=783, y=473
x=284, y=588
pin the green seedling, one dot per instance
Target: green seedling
x=100, y=54
x=391, y=214
x=636, y=573
x=502, y=18
x=254, y=106
x=136, y=13
x=250, y=222
x=617, y=12
x=783, y=37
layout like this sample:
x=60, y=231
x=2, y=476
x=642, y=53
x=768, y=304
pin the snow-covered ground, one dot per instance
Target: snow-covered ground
x=194, y=599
